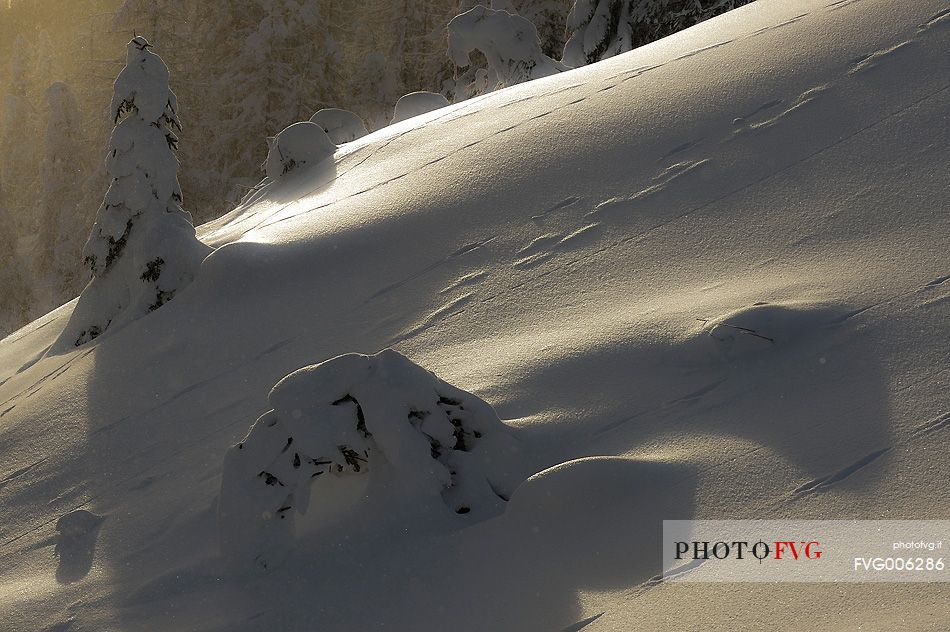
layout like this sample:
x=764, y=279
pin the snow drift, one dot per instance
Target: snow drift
x=586, y=252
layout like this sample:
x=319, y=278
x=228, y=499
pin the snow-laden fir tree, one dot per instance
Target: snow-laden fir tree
x=298, y=146
x=603, y=28
x=19, y=153
x=142, y=249
x=549, y=17
x=599, y=29
x=175, y=24
x=274, y=64
x=62, y=173
x=14, y=290
x=509, y=43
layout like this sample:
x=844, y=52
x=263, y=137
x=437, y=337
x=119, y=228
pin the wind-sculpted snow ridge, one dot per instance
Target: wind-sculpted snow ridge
x=356, y=415
x=716, y=264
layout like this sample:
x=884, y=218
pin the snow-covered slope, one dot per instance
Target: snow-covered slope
x=717, y=266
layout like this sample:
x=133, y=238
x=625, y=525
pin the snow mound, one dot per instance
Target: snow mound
x=298, y=145
x=416, y=103
x=352, y=415
x=766, y=327
x=342, y=126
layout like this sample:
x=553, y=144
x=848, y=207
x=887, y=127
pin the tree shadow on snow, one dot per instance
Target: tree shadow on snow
x=591, y=524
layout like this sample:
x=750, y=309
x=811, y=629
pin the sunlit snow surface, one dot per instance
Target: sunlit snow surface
x=718, y=265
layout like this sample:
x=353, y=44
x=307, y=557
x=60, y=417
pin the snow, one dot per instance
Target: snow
x=142, y=249
x=342, y=126
x=509, y=42
x=297, y=146
x=591, y=34
x=416, y=103
x=380, y=416
x=692, y=279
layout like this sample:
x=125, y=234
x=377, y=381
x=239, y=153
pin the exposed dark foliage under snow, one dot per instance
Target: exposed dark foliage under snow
x=381, y=416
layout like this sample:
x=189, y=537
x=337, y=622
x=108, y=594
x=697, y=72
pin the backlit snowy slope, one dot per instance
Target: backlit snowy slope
x=718, y=264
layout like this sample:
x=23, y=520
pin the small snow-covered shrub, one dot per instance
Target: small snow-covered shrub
x=358, y=415
x=342, y=126
x=416, y=103
x=296, y=146
x=510, y=44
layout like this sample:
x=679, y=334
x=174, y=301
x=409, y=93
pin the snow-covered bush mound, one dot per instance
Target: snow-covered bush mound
x=298, y=145
x=746, y=333
x=510, y=44
x=378, y=416
x=142, y=249
x=342, y=126
x=416, y=103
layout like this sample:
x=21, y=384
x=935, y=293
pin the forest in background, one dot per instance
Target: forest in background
x=242, y=71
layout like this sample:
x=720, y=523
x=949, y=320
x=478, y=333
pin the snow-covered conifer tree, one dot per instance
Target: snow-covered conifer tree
x=13, y=288
x=142, y=249
x=62, y=172
x=549, y=17
x=510, y=44
x=299, y=145
x=604, y=28
x=19, y=156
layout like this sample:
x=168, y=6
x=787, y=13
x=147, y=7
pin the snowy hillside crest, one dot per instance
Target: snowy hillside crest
x=142, y=249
